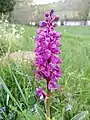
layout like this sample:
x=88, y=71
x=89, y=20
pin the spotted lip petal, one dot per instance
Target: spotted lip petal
x=52, y=85
x=40, y=92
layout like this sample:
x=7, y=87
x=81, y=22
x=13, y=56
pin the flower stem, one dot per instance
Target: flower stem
x=48, y=105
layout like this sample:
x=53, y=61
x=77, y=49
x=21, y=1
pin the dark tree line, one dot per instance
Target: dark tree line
x=6, y=7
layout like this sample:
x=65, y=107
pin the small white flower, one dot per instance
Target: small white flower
x=13, y=25
x=6, y=21
x=2, y=30
x=64, y=30
x=19, y=50
x=69, y=107
x=58, y=101
x=20, y=4
x=1, y=21
x=41, y=97
x=14, y=31
x=33, y=36
x=22, y=28
x=17, y=36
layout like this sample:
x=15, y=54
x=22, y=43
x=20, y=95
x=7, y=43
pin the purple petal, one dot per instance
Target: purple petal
x=51, y=12
x=40, y=92
x=42, y=24
x=46, y=14
x=52, y=85
x=56, y=19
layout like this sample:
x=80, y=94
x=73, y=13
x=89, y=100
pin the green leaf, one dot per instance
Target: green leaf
x=80, y=116
x=20, y=89
x=57, y=117
x=14, y=109
x=11, y=96
x=8, y=92
x=21, y=118
x=29, y=115
x=7, y=100
x=40, y=112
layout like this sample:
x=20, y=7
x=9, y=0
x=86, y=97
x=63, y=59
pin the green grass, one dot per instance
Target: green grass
x=75, y=83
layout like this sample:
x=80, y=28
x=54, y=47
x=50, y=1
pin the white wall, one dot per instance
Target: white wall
x=74, y=23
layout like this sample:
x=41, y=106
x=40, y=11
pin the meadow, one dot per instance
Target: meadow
x=18, y=100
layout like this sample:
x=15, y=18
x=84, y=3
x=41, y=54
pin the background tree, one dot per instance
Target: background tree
x=6, y=6
x=39, y=12
x=84, y=8
x=23, y=12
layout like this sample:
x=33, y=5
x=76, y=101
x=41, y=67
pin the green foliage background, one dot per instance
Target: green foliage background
x=18, y=80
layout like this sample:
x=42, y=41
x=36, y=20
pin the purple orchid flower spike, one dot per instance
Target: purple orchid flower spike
x=47, y=61
x=47, y=50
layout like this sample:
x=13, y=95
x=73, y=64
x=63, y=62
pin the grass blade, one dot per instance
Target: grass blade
x=20, y=89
